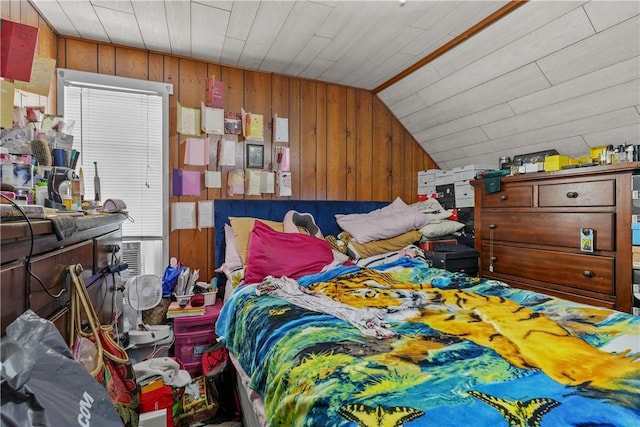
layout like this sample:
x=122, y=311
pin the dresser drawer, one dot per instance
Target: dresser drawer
x=555, y=229
x=51, y=268
x=513, y=197
x=586, y=272
x=578, y=194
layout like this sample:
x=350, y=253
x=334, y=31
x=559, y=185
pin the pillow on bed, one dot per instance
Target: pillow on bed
x=242, y=227
x=441, y=228
x=361, y=250
x=383, y=223
x=231, y=254
x=284, y=254
x=235, y=276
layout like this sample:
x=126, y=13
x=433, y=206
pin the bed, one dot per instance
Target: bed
x=398, y=343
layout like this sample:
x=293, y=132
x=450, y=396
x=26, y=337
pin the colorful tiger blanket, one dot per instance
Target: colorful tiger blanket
x=464, y=352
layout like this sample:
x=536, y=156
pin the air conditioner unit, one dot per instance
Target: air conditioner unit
x=131, y=254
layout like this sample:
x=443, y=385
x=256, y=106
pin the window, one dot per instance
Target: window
x=121, y=128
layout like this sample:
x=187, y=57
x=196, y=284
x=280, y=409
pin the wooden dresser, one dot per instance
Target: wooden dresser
x=529, y=233
x=95, y=244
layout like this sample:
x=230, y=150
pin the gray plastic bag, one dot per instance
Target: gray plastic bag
x=43, y=385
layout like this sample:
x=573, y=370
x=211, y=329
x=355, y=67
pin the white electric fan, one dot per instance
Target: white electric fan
x=143, y=293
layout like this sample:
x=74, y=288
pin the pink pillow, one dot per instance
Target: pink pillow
x=384, y=223
x=284, y=254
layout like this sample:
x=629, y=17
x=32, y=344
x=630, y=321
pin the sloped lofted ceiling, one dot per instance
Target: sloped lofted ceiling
x=561, y=74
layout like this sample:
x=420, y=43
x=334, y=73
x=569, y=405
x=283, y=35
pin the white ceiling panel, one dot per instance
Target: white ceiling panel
x=122, y=27
x=53, y=13
x=178, y=20
x=604, y=15
x=613, y=45
x=295, y=33
x=90, y=24
x=516, y=25
x=208, y=27
x=152, y=24
x=549, y=74
x=472, y=120
x=621, y=72
x=609, y=99
x=264, y=30
x=306, y=55
x=513, y=85
x=243, y=14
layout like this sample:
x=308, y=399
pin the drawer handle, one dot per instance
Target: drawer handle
x=572, y=195
x=587, y=273
x=493, y=259
x=504, y=197
x=492, y=226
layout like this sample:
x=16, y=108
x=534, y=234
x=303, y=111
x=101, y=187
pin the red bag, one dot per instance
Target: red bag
x=160, y=398
x=114, y=369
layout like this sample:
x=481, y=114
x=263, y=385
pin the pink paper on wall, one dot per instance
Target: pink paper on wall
x=197, y=152
x=17, y=50
x=214, y=95
x=186, y=182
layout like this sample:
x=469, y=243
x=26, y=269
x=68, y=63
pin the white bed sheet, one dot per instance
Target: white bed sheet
x=251, y=403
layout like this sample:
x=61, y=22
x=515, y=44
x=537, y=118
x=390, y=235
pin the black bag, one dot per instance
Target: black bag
x=43, y=385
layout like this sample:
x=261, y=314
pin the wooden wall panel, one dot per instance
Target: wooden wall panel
x=107, y=59
x=412, y=180
x=381, y=154
x=351, y=117
x=336, y=143
x=295, y=112
x=397, y=160
x=81, y=55
x=321, y=141
x=132, y=63
x=364, y=148
x=308, y=145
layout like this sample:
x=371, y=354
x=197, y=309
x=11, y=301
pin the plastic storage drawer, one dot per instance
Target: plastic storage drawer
x=189, y=347
x=207, y=321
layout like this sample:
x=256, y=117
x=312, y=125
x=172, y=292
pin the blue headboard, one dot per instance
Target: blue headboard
x=322, y=210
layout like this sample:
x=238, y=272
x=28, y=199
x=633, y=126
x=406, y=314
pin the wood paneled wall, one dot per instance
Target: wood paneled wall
x=345, y=143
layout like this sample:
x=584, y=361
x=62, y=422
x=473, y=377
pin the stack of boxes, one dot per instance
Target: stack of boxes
x=452, y=188
x=635, y=225
x=193, y=335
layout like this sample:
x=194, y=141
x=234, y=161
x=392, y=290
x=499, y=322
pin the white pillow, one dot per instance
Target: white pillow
x=433, y=209
x=384, y=223
x=441, y=228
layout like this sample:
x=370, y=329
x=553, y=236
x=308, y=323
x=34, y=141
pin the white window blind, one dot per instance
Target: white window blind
x=122, y=131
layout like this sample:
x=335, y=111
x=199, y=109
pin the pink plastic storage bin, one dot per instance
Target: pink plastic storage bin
x=190, y=346
x=194, y=369
x=206, y=321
